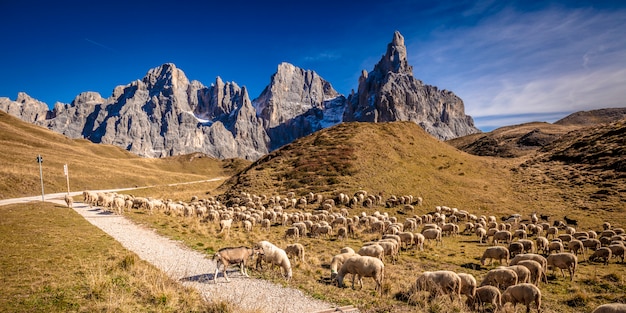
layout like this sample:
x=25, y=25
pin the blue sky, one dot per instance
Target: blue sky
x=510, y=61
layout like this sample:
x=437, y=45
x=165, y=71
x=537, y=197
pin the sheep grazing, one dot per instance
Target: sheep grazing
x=444, y=282
x=497, y=252
x=542, y=244
x=232, y=256
x=374, y=250
x=611, y=308
x=536, y=271
x=604, y=254
x=523, y=273
x=468, y=286
x=69, y=201
x=530, y=256
x=523, y=293
x=225, y=226
x=293, y=232
x=433, y=234
x=486, y=295
x=274, y=255
x=500, y=278
x=362, y=266
x=564, y=261
x=337, y=262
x=296, y=251
x=618, y=251
x=502, y=236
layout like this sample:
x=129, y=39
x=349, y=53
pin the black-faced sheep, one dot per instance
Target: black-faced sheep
x=497, y=253
x=362, y=266
x=523, y=293
x=439, y=282
x=564, y=261
x=232, y=256
x=274, y=255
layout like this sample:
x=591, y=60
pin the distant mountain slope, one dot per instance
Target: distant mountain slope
x=524, y=139
x=90, y=165
x=165, y=114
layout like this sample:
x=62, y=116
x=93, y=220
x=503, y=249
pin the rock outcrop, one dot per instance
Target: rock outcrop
x=391, y=93
x=297, y=103
x=25, y=108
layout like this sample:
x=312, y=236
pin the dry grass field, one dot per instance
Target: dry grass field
x=396, y=159
x=53, y=260
x=91, y=166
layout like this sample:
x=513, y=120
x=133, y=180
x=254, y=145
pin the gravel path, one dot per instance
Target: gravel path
x=192, y=269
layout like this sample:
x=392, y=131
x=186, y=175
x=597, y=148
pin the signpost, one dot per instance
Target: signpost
x=40, y=160
x=67, y=177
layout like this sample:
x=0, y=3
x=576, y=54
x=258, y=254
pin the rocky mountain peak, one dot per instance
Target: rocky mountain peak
x=164, y=76
x=391, y=93
x=395, y=59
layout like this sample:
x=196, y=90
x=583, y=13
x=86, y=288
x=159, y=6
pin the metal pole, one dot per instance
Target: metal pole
x=40, y=160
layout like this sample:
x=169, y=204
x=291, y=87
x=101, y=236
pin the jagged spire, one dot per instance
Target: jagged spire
x=394, y=59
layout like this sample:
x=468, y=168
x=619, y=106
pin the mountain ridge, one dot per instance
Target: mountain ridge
x=165, y=114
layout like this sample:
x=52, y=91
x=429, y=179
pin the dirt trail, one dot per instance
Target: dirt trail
x=192, y=268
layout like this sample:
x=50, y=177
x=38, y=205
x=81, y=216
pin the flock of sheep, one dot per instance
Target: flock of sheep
x=524, y=262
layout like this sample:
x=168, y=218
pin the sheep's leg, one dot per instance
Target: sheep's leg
x=217, y=268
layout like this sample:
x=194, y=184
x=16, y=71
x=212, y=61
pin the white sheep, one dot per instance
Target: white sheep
x=69, y=201
x=468, y=285
x=555, y=245
x=523, y=273
x=487, y=295
x=617, y=250
x=542, y=244
x=296, y=251
x=531, y=256
x=362, y=266
x=374, y=250
x=523, y=293
x=611, y=308
x=502, y=236
x=603, y=253
x=225, y=226
x=497, y=252
x=536, y=270
x=500, y=278
x=232, y=256
x=274, y=255
x=436, y=282
x=338, y=260
x=292, y=232
x=418, y=241
x=563, y=261
x=433, y=234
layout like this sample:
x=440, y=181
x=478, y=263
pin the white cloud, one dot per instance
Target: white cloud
x=526, y=63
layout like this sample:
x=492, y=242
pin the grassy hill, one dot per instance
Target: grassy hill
x=91, y=166
x=389, y=158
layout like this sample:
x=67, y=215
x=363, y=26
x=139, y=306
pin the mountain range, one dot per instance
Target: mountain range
x=165, y=114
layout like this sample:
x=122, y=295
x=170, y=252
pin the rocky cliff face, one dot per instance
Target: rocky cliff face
x=165, y=114
x=297, y=103
x=391, y=93
x=25, y=108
